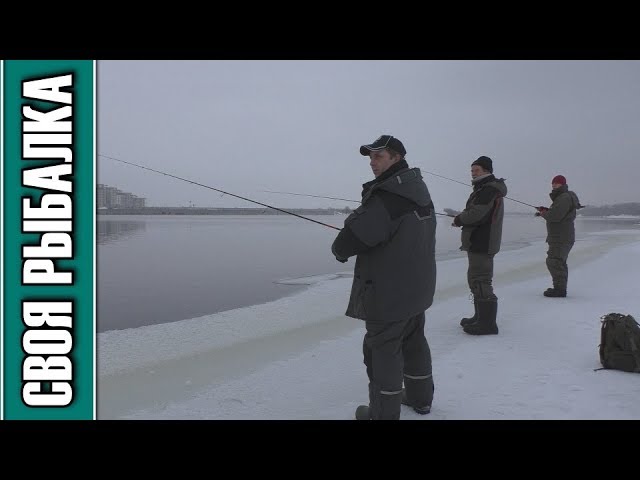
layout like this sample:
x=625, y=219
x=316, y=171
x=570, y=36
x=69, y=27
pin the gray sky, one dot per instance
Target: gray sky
x=248, y=126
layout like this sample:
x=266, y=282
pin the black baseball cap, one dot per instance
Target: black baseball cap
x=383, y=141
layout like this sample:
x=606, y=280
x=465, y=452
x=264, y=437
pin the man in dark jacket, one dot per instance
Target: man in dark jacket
x=481, y=223
x=392, y=233
x=561, y=235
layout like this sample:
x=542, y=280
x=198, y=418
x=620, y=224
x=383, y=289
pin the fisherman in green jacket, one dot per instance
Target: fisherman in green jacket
x=560, y=219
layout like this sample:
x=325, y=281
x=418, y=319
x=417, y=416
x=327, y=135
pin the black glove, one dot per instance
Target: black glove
x=335, y=254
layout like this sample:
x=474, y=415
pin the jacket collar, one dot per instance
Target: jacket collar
x=390, y=172
x=480, y=183
x=558, y=191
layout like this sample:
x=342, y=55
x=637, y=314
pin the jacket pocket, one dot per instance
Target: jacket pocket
x=368, y=299
x=465, y=237
x=356, y=304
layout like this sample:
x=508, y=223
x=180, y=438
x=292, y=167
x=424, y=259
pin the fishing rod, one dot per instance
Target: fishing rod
x=315, y=196
x=466, y=184
x=218, y=190
x=333, y=198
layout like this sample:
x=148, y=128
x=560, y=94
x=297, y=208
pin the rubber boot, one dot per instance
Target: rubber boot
x=486, y=323
x=470, y=320
x=555, y=292
x=422, y=409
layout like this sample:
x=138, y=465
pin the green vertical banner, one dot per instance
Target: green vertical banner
x=48, y=248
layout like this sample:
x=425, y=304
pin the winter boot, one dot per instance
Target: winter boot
x=384, y=405
x=486, y=323
x=422, y=410
x=363, y=413
x=470, y=320
x=555, y=292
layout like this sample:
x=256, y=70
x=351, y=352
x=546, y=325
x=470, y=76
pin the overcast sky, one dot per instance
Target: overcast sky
x=250, y=126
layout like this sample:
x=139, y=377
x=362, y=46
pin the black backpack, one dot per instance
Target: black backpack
x=620, y=343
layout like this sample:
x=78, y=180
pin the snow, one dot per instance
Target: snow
x=299, y=357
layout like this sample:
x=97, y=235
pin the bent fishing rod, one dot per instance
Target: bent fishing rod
x=218, y=190
x=466, y=184
x=333, y=198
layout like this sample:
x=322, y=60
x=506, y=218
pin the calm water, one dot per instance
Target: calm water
x=157, y=269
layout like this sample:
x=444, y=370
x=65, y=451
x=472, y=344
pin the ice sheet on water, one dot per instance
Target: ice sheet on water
x=313, y=279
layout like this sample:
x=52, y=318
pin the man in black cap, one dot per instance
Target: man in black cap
x=392, y=233
x=481, y=223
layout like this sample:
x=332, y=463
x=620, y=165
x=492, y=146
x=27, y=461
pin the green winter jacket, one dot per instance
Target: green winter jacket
x=561, y=215
x=481, y=220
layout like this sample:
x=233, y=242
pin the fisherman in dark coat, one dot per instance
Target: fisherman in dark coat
x=481, y=223
x=392, y=235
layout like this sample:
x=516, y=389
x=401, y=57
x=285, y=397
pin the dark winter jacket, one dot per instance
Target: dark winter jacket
x=393, y=235
x=481, y=220
x=561, y=215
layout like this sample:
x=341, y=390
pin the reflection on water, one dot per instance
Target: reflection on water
x=109, y=231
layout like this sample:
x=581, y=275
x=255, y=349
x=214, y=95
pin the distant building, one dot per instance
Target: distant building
x=101, y=196
x=110, y=197
x=138, y=202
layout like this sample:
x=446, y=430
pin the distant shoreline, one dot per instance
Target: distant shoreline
x=269, y=211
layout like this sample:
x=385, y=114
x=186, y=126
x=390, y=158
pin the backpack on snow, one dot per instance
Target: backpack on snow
x=620, y=343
